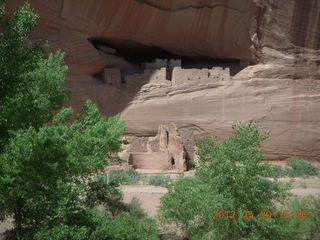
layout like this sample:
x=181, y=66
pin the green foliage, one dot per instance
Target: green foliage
x=229, y=178
x=159, y=180
x=42, y=170
x=48, y=155
x=301, y=168
x=131, y=224
x=31, y=82
x=101, y=192
x=306, y=228
x=63, y=232
x=125, y=177
x=278, y=172
x=127, y=227
x=297, y=168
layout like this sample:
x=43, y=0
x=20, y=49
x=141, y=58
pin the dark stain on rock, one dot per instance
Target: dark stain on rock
x=317, y=41
x=300, y=22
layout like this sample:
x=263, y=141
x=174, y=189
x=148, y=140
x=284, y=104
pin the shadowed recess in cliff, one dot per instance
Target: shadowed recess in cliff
x=130, y=56
x=130, y=50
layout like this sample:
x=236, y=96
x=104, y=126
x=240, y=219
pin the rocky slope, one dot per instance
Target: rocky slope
x=282, y=37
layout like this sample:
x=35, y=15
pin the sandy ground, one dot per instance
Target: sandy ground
x=148, y=197
x=4, y=226
x=305, y=192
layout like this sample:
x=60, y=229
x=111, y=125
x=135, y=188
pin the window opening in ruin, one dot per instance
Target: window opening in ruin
x=167, y=133
x=122, y=75
x=169, y=74
x=173, y=162
x=99, y=76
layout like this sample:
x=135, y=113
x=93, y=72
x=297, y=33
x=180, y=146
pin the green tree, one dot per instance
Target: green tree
x=31, y=80
x=49, y=156
x=230, y=178
x=43, y=170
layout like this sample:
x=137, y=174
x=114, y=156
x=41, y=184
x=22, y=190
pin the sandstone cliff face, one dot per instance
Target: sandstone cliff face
x=288, y=32
x=288, y=108
x=253, y=30
x=281, y=92
x=282, y=102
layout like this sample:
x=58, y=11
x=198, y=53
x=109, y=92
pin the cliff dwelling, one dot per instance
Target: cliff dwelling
x=134, y=58
x=165, y=72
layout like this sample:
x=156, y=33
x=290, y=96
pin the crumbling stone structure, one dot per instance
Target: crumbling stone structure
x=188, y=141
x=164, y=72
x=165, y=151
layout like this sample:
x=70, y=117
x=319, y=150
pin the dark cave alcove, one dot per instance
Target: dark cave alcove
x=130, y=55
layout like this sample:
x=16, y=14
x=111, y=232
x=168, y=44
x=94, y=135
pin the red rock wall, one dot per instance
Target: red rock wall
x=288, y=31
x=253, y=30
x=210, y=28
x=282, y=95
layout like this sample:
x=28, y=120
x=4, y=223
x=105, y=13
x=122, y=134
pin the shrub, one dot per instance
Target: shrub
x=301, y=168
x=278, y=172
x=306, y=228
x=127, y=177
x=159, y=180
x=133, y=226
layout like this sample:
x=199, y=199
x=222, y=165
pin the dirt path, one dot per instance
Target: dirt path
x=149, y=196
x=305, y=191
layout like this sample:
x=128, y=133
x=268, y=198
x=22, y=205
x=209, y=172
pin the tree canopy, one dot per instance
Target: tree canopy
x=50, y=157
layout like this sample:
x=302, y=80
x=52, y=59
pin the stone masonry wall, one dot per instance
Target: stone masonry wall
x=156, y=73
x=152, y=76
x=182, y=76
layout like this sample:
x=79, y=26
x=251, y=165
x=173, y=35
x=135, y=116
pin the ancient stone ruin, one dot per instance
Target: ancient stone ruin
x=164, y=72
x=170, y=149
x=165, y=151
